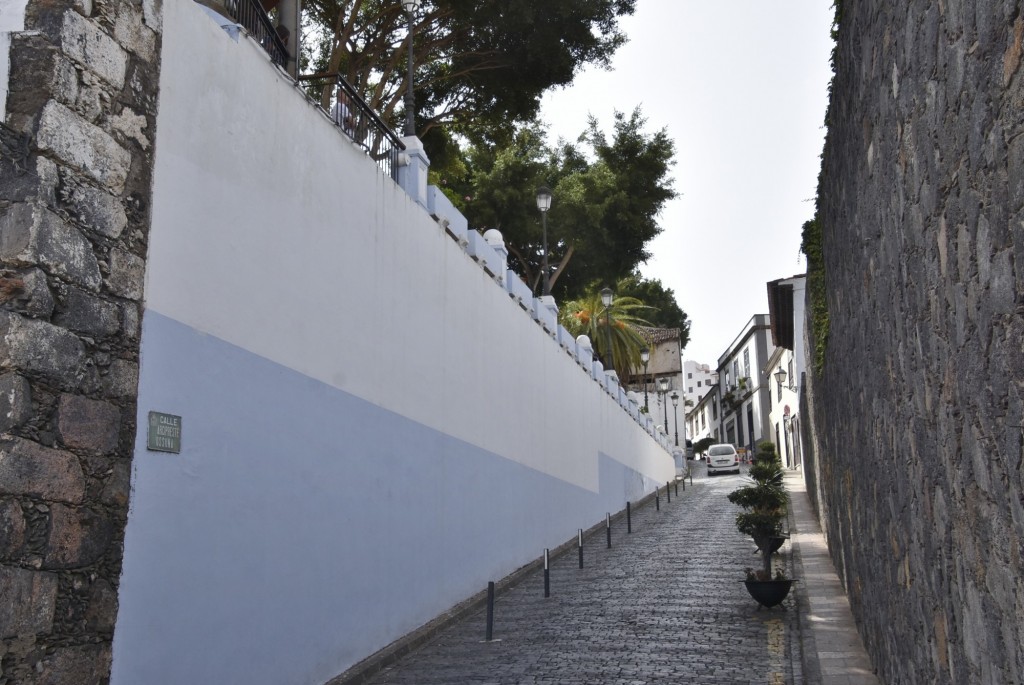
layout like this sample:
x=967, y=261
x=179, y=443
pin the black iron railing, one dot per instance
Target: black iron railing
x=250, y=14
x=354, y=116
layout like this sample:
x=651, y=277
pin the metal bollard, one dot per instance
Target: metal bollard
x=490, y=611
x=547, y=576
x=629, y=520
x=608, y=528
x=657, y=499
x=579, y=543
x=668, y=491
x=677, y=487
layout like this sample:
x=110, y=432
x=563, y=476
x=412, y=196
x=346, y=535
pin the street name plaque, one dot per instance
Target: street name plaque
x=164, y=432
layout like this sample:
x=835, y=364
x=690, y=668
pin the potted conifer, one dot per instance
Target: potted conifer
x=765, y=504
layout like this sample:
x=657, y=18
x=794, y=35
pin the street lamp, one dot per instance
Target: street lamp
x=662, y=391
x=606, y=299
x=675, y=412
x=780, y=376
x=645, y=356
x=544, y=204
x=410, y=102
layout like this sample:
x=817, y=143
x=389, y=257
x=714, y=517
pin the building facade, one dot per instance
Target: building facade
x=786, y=366
x=745, y=404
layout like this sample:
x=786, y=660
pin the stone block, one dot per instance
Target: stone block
x=121, y=379
x=39, y=347
x=78, y=537
x=15, y=401
x=30, y=598
x=101, y=613
x=127, y=274
x=29, y=469
x=12, y=529
x=130, y=319
x=98, y=210
x=83, y=145
x=153, y=14
x=81, y=665
x=84, y=313
x=131, y=31
x=117, y=485
x=33, y=235
x=132, y=126
x=85, y=42
x=85, y=424
x=32, y=75
x=34, y=298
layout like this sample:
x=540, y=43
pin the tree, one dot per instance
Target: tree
x=665, y=311
x=608, y=193
x=481, y=65
x=588, y=316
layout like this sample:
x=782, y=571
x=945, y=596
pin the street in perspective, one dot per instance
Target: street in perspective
x=665, y=604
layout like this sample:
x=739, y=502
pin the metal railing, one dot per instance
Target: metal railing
x=250, y=14
x=356, y=118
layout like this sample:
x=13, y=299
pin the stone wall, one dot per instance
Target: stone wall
x=919, y=406
x=75, y=178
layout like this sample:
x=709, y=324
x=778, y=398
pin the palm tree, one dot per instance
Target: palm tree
x=588, y=316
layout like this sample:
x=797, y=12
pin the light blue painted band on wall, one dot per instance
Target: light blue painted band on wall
x=302, y=528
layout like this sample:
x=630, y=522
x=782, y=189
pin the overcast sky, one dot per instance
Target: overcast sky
x=741, y=86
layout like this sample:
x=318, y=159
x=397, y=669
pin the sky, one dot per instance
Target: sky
x=741, y=87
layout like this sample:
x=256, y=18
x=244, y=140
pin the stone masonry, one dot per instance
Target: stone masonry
x=918, y=409
x=75, y=176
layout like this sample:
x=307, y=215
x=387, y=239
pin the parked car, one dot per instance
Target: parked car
x=722, y=458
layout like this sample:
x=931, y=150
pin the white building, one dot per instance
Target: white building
x=697, y=380
x=745, y=404
x=787, y=365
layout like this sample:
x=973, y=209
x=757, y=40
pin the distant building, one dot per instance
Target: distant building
x=745, y=403
x=666, y=362
x=697, y=380
x=702, y=420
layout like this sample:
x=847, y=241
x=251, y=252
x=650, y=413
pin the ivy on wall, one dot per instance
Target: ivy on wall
x=811, y=245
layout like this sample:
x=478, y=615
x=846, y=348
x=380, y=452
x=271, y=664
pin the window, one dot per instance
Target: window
x=689, y=375
x=714, y=411
x=778, y=397
x=698, y=384
x=736, y=370
x=690, y=390
x=703, y=419
x=746, y=362
x=792, y=378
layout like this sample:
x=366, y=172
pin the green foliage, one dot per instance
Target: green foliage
x=665, y=312
x=765, y=502
x=812, y=246
x=607, y=195
x=481, y=65
x=588, y=316
x=702, y=445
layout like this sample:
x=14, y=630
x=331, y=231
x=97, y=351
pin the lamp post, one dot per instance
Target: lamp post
x=662, y=391
x=645, y=356
x=410, y=102
x=544, y=204
x=606, y=299
x=675, y=413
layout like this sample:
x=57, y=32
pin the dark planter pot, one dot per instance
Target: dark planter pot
x=769, y=544
x=768, y=593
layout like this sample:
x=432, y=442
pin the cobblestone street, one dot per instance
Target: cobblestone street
x=664, y=605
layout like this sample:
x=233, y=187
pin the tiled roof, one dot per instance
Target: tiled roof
x=653, y=336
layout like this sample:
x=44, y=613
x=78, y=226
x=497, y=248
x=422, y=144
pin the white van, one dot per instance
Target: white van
x=721, y=458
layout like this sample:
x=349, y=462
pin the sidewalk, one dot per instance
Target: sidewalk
x=833, y=652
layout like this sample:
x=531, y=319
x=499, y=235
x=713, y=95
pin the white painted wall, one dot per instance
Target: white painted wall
x=12, y=19
x=372, y=427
